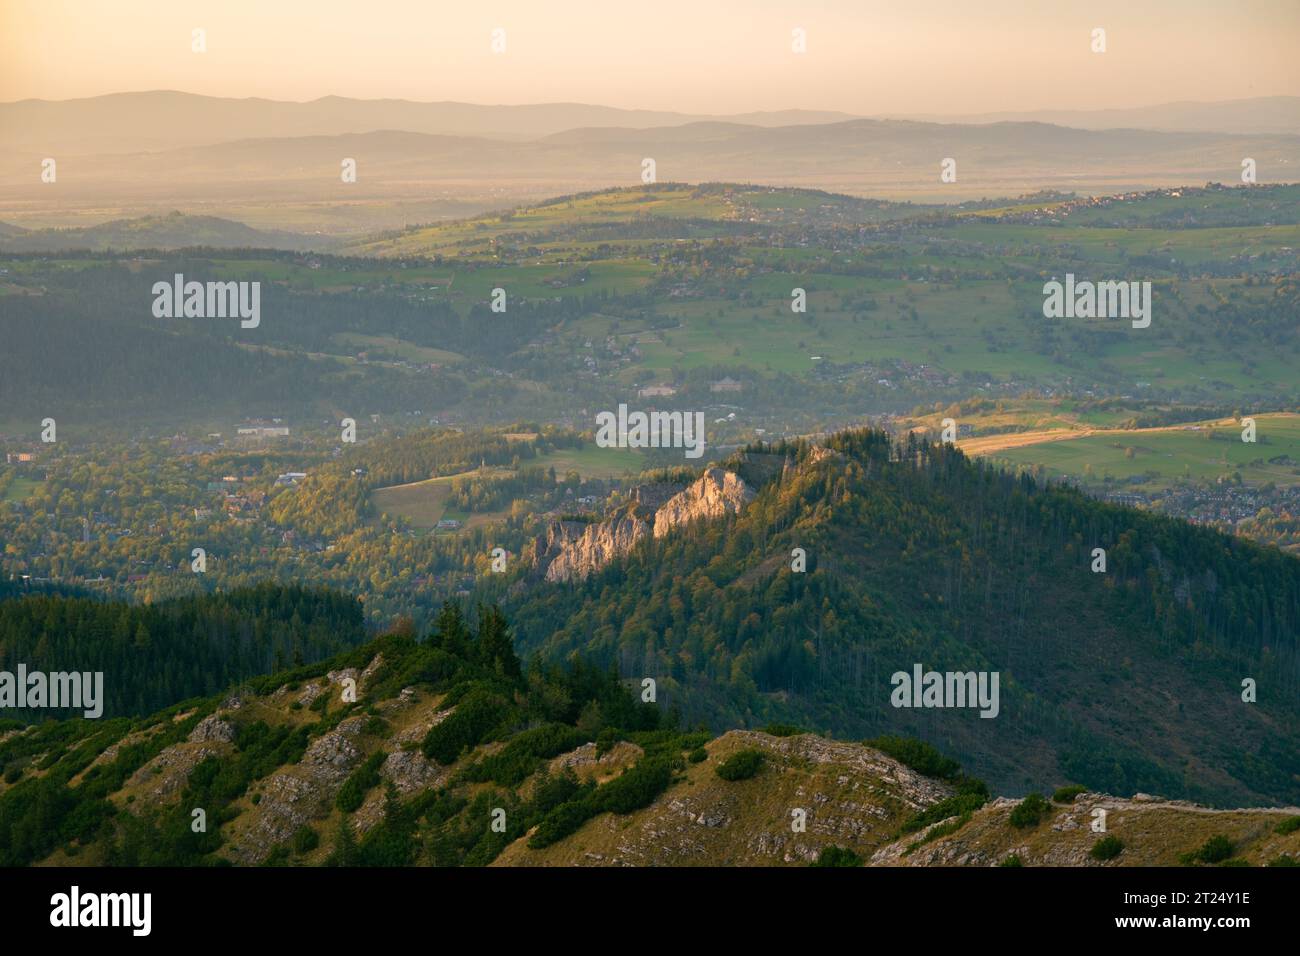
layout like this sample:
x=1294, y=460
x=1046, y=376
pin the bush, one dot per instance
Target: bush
x=957, y=805
x=918, y=755
x=476, y=715
x=1284, y=860
x=1068, y=793
x=305, y=839
x=1107, y=848
x=741, y=765
x=559, y=823
x=606, y=741
x=354, y=789
x=635, y=787
x=787, y=730
x=837, y=856
x=1030, y=811
x=552, y=791
x=1289, y=825
x=518, y=759
x=942, y=830
x=698, y=755
x=1214, y=850
x=1012, y=860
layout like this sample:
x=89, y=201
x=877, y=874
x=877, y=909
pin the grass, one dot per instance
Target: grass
x=591, y=461
x=1167, y=454
x=20, y=489
x=424, y=503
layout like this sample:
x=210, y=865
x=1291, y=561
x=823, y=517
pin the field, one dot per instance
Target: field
x=591, y=461
x=424, y=503
x=19, y=489
x=1197, y=451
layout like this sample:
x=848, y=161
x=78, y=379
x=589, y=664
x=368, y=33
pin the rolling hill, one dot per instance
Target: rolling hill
x=172, y=231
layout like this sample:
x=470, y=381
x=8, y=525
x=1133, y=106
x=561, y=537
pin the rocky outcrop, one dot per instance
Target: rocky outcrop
x=572, y=550
x=298, y=793
x=596, y=546
x=716, y=494
x=847, y=794
x=655, y=494
x=166, y=775
x=213, y=728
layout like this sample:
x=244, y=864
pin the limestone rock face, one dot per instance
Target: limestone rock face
x=297, y=793
x=213, y=728
x=717, y=493
x=595, y=547
x=572, y=550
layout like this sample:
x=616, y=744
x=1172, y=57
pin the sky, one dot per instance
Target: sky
x=867, y=57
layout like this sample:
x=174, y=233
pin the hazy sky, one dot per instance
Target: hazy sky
x=863, y=56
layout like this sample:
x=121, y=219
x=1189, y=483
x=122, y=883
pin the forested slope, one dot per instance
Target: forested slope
x=1126, y=680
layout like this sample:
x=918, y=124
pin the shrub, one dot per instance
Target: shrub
x=606, y=741
x=787, y=730
x=354, y=789
x=1284, y=860
x=741, y=765
x=698, y=755
x=837, y=856
x=560, y=822
x=476, y=715
x=1068, y=793
x=942, y=830
x=1289, y=825
x=635, y=787
x=918, y=755
x=552, y=791
x=518, y=759
x=1107, y=848
x=1214, y=850
x=1012, y=860
x=277, y=857
x=1030, y=811
x=305, y=839
x=962, y=803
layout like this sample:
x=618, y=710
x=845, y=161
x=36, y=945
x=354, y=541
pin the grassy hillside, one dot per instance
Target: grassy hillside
x=682, y=287
x=451, y=754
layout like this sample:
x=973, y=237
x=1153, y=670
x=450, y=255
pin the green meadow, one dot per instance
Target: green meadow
x=1195, y=451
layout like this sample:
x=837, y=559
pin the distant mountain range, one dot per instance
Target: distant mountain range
x=167, y=119
x=1263, y=114
x=875, y=157
x=277, y=165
